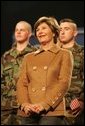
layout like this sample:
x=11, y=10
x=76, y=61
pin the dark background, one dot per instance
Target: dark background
x=14, y=11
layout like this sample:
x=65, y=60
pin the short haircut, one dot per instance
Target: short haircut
x=69, y=21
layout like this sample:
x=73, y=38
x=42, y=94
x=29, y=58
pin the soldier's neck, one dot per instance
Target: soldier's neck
x=21, y=46
x=68, y=45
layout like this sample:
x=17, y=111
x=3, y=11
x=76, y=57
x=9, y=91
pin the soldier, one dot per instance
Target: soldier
x=10, y=65
x=75, y=95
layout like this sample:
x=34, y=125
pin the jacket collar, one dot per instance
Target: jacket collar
x=54, y=49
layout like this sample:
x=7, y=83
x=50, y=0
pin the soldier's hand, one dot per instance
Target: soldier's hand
x=76, y=107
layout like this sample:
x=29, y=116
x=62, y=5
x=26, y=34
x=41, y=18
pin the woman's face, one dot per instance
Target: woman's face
x=44, y=33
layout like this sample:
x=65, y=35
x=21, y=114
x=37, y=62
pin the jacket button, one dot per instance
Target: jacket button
x=33, y=89
x=34, y=67
x=53, y=102
x=43, y=88
x=59, y=94
x=45, y=67
x=56, y=98
x=25, y=81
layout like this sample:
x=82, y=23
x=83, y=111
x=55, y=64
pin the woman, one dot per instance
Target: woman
x=44, y=78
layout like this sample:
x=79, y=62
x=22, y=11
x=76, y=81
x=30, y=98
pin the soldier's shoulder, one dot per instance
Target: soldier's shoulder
x=31, y=54
x=31, y=48
x=78, y=49
x=7, y=53
x=81, y=50
x=28, y=54
x=81, y=47
x=66, y=51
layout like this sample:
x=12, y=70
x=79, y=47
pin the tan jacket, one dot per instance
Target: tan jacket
x=44, y=78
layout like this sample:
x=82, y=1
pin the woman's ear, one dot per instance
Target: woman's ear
x=53, y=34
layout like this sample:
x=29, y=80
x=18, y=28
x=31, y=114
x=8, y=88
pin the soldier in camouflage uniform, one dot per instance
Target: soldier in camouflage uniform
x=10, y=65
x=75, y=95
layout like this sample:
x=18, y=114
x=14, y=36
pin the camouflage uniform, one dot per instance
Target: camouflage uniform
x=10, y=65
x=77, y=83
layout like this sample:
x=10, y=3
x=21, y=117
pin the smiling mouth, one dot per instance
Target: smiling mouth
x=62, y=37
x=42, y=35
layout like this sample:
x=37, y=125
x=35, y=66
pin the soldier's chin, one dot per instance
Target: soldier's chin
x=64, y=42
x=20, y=41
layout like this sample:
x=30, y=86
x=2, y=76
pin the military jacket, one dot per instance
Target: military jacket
x=10, y=65
x=77, y=82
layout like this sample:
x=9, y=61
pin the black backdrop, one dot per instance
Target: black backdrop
x=14, y=11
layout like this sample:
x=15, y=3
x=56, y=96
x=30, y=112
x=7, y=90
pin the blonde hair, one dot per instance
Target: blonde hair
x=27, y=25
x=28, y=28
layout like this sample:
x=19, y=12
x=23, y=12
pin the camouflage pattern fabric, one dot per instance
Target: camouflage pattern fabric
x=77, y=83
x=10, y=65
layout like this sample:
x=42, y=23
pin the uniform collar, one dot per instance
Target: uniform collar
x=15, y=53
x=75, y=46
